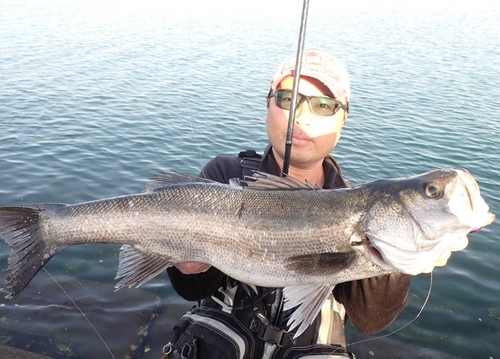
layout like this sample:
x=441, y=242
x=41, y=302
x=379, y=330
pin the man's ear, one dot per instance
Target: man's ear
x=267, y=101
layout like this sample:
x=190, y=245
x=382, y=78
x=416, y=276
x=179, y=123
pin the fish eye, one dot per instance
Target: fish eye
x=432, y=190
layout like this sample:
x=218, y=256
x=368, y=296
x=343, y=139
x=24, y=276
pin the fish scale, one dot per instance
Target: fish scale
x=270, y=232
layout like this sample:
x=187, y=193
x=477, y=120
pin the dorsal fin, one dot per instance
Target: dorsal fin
x=266, y=181
x=166, y=179
x=260, y=181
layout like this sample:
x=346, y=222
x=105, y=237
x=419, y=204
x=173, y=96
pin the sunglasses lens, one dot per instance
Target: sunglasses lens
x=324, y=106
x=283, y=99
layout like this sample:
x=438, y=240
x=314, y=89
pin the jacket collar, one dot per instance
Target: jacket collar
x=333, y=172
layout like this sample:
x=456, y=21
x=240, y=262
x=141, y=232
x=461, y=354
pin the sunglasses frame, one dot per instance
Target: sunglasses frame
x=302, y=98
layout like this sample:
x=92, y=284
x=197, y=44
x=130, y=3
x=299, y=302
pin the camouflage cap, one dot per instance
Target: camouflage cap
x=319, y=65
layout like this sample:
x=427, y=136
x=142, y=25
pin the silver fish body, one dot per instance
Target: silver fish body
x=274, y=233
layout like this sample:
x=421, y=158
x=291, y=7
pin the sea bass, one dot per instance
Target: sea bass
x=269, y=232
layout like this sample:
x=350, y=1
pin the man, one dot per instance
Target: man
x=232, y=307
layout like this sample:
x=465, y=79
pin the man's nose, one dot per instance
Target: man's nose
x=303, y=114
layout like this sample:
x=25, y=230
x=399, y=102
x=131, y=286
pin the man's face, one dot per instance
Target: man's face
x=314, y=136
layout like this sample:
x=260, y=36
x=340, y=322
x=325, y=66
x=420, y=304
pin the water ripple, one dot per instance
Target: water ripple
x=97, y=97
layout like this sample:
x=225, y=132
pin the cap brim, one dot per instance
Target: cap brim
x=337, y=90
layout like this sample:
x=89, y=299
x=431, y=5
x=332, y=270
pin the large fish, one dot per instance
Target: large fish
x=274, y=232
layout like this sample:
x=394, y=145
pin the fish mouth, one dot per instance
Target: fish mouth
x=376, y=256
x=479, y=209
x=372, y=252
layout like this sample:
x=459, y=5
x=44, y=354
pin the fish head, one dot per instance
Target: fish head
x=413, y=221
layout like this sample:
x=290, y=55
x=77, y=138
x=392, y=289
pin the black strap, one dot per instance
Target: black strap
x=243, y=165
x=249, y=162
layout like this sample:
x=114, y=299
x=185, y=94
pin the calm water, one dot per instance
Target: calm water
x=96, y=96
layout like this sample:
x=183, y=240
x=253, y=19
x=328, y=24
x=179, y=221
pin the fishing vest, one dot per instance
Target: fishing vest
x=248, y=323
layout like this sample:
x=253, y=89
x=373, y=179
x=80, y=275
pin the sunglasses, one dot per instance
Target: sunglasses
x=319, y=105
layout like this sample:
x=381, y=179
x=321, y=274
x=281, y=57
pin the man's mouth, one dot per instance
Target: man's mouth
x=301, y=139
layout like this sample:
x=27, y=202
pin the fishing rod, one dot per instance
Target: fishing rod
x=295, y=89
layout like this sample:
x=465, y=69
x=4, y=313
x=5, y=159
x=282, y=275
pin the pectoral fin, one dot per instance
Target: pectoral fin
x=320, y=263
x=137, y=267
x=308, y=299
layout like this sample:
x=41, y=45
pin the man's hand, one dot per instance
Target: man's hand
x=192, y=267
x=443, y=259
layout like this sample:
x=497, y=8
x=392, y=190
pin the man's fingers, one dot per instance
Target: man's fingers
x=441, y=261
x=192, y=267
x=460, y=244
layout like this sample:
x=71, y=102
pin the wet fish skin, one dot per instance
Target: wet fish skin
x=171, y=224
x=294, y=236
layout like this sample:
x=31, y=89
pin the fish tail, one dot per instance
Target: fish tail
x=20, y=229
